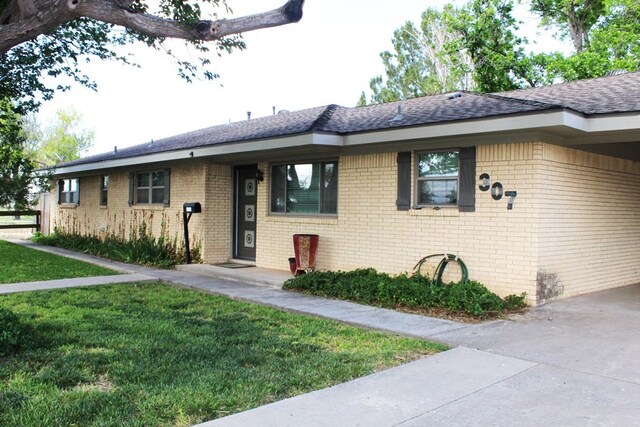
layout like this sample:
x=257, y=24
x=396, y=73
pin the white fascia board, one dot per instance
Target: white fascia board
x=536, y=121
x=614, y=123
x=328, y=139
x=309, y=139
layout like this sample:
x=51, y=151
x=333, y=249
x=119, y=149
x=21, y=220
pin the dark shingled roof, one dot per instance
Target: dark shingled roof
x=612, y=94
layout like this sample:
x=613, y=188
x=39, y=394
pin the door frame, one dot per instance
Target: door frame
x=235, y=237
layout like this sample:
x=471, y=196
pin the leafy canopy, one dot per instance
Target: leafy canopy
x=16, y=166
x=63, y=140
x=477, y=47
x=52, y=38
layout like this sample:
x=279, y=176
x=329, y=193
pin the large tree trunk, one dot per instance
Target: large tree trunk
x=24, y=20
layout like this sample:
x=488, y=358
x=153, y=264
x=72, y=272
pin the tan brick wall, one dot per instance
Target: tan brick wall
x=218, y=214
x=589, y=220
x=574, y=223
x=499, y=246
x=187, y=184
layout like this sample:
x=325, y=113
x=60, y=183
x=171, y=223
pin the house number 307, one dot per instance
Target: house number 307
x=496, y=190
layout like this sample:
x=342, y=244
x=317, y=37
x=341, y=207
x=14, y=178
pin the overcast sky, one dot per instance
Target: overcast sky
x=327, y=58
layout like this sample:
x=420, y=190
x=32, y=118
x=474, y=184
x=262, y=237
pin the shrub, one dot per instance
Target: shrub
x=12, y=332
x=367, y=286
x=142, y=248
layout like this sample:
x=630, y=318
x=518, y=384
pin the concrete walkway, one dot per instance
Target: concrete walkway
x=572, y=362
x=71, y=283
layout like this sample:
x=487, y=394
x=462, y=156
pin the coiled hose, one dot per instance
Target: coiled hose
x=446, y=259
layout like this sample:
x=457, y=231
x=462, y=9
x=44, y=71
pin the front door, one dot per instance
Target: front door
x=246, y=197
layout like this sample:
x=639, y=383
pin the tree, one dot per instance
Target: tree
x=474, y=47
x=574, y=18
x=50, y=36
x=421, y=62
x=488, y=33
x=606, y=37
x=63, y=140
x=16, y=166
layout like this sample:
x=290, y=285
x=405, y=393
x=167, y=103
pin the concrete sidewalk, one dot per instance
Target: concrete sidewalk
x=572, y=362
x=71, y=283
x=568, y=363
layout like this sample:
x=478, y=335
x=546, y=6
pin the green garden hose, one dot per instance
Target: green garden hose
x=446, y=259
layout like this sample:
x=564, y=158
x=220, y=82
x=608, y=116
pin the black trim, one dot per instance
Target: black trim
x=60, y=185
x=131, y=178
x=167, y=188
x=403, y=200
x=467, y=180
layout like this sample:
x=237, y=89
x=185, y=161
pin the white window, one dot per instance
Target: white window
x=69, y=191
x=437, y=178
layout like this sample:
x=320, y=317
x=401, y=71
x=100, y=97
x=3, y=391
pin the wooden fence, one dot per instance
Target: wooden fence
x=35, y=225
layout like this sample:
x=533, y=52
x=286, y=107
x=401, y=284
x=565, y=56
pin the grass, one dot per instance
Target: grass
x=150, y=354
x=23, y=220
x=21, y=264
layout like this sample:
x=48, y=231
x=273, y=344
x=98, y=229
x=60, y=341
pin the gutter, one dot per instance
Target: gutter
x=571, y=123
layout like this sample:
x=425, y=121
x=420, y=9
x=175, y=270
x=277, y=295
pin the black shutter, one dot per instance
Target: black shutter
x=131, y=177
x=60, y=188
x=167, y=187
x=78, y=191
x=467, y=183
x=403, y=201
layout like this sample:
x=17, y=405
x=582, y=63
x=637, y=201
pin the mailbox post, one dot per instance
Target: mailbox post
x=187, y=210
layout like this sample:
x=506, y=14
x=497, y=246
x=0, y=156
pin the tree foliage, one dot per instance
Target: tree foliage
x=483, y=51
x=52, y=37
x=422, y=61
x=574, y=18
x=474, y=47
x=61, y=141
x=611, y=39
x=487, y=32
x=16, y=166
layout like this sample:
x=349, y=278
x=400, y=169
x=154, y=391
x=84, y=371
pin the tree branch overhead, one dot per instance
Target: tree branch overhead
x=24, y=20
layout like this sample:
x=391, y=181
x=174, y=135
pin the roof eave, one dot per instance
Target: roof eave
x=561, y=122
x=295, y=141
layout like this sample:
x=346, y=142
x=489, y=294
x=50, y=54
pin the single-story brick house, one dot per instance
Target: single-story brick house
x=536, y=190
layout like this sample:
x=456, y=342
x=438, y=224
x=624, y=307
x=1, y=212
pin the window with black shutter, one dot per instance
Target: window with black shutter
x=443, y=178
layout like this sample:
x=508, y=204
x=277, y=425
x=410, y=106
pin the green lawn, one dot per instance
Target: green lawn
x=151, y=354
x=23, y=220
x=20, y=264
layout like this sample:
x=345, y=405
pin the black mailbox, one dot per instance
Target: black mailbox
x=192, y=207
x=187, y=210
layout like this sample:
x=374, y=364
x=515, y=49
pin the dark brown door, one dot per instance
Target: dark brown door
x=246, y=197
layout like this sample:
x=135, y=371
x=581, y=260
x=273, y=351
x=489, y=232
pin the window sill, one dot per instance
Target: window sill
x=303, y=219
x=68, y=206
x=451, y=211
x=148, y=207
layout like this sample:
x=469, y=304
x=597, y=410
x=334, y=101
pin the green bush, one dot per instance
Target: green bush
x=12, y=332
x=142, y=248
x=367, y=286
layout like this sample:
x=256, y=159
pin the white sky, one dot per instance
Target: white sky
x=327, y=58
